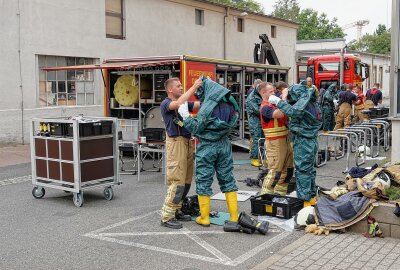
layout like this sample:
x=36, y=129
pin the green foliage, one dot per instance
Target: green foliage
x=312, y=24
x=393, y=193
x=378, y=42
x=250, y=5
x=315, y=26
x=380, y=30
x=287, y=9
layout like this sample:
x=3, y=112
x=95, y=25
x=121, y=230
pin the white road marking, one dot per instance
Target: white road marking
x=160, y=233
x=207, y=246
x=15, y=180
x=219, y=257
x=120, y=223
x=178, y=232
x=159, y=249
x=261, y=247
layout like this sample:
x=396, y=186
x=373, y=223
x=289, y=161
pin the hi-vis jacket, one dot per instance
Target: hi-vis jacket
x=275, y=128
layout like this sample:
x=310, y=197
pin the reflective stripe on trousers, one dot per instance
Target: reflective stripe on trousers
x=179, y=154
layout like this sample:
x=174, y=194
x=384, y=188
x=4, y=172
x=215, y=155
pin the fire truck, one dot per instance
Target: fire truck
x=325, y=70
x=134, y=87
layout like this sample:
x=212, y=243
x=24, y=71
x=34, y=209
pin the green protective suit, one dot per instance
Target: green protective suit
x=328, y=108
x=253, y=103
x=214, y=152
x=304, y=123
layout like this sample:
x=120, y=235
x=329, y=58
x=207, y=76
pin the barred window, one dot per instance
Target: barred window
x=65, y=87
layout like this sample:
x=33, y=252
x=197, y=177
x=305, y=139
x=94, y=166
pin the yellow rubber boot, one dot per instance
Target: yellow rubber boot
x=255, y=162
x=232, y=203
x=204, y=218
x=311, y=202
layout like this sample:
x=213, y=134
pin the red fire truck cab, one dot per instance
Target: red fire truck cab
x=325, y=70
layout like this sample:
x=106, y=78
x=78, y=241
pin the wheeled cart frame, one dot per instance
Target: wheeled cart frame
x=76, y=160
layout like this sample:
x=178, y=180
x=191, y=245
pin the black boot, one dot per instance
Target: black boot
x=172, y=223
x=231, y=226
x=247, y=221
x=179, y=215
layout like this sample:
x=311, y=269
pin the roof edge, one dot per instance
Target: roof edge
x=320, y=40
x=249, y=12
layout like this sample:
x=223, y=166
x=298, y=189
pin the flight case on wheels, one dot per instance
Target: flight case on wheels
x=74, y=155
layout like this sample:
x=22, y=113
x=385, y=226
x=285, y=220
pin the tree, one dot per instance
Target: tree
x=378, y=42
x=312, y=25
x=250, y=5
x=287, y=9
x=380, y=29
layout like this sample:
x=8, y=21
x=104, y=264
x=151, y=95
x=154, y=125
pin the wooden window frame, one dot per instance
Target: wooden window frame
x=121, y=17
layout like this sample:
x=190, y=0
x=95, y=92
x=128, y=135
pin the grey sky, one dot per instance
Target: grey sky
x=347, y=11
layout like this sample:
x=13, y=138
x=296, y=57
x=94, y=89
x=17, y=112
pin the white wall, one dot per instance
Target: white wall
x=241, y=45
x=320, y=45
x=375, y=62
x=77, y=28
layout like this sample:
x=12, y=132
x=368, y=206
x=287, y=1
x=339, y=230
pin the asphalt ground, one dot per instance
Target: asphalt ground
x=125, y=233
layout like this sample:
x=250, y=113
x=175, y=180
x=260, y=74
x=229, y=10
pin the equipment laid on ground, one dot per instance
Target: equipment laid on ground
x=275, y=205
x=247, y=221
x=230, y=226
x=79, y=153
x=384, y=178
x=190, y=205
x=305, y=217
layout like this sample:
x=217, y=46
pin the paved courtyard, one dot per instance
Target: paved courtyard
x=336, y=251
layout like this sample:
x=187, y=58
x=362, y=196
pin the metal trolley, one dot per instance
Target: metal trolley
x=74, y=155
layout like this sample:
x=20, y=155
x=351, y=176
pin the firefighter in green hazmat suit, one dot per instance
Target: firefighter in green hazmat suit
x=253, y=103
x=217, y=117
x=328, y=108
x=304, y=122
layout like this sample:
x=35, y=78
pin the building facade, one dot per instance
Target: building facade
x=44, y=33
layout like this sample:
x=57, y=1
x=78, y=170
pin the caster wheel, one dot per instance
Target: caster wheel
x=78, y=199
x=38, y=192
x=108, y=193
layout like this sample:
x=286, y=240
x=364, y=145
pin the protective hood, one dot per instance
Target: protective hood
x=213, y=92
x=332, y=87
x=204, y=125
x=300, y=95
x=253, y=103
